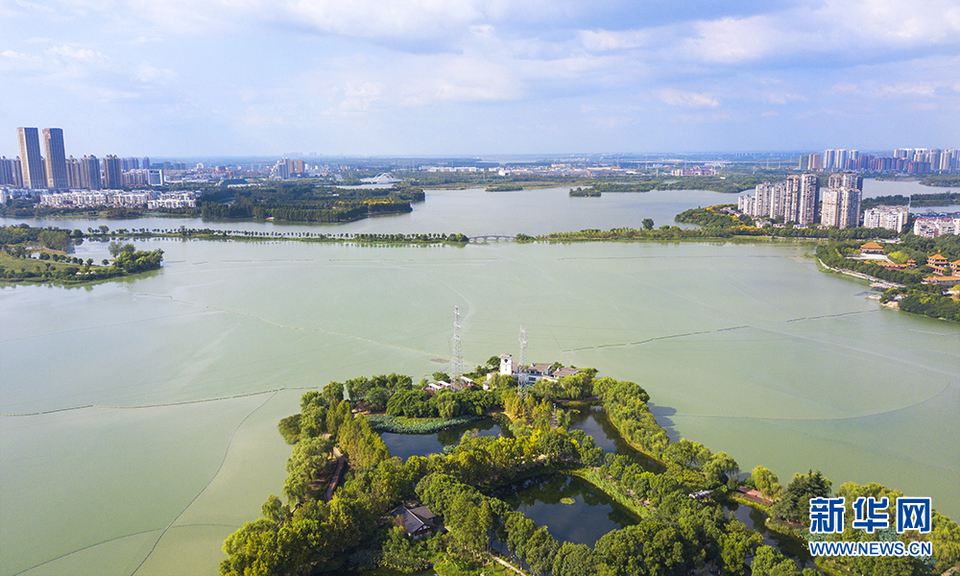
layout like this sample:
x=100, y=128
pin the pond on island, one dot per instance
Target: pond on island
x=547, y=501
x=756, y=520
x=406, y=445
x=594, y=421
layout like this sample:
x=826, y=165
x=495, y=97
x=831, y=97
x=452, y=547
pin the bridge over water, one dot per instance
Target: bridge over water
x=491, y=238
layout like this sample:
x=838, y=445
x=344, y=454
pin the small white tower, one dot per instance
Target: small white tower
x=506, y=364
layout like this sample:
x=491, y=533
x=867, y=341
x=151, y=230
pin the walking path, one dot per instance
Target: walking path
x=507, y=564
x=341, y=463
x=860, y=275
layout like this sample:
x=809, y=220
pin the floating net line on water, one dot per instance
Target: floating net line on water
x=159, y=405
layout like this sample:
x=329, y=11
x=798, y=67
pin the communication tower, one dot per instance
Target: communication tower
x=522, y=385
x=523, y=347
x=457, y=350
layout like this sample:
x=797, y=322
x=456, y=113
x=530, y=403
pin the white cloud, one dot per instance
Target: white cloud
x=11, y=60
x=150, y=75
x=79, y=54
x=675, y=97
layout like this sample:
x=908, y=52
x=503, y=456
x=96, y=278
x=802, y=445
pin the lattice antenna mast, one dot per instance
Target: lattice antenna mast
x=522, y=384
x=523, y=347
x=457, y=349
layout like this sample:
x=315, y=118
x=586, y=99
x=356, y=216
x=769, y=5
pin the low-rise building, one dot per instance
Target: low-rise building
x=418, y=522
x=933, y=226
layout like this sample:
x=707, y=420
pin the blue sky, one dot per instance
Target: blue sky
x=469, y=77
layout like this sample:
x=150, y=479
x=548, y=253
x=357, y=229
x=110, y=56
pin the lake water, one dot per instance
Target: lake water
x=591, y=515
x=138, y=418
x=594, y=421
x=756, y=520
x=406, y=445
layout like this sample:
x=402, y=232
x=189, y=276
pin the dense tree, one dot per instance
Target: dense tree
x=766, y=481
x=736, y=543
x=794, y=504
x=770, y=562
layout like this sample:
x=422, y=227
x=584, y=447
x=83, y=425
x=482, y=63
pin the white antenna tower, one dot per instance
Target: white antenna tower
x=523, y=347
x=522, y=385
x=457, y=350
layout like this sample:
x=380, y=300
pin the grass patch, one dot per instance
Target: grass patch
x=611, y=489
x=403, y=425
x=736, y=497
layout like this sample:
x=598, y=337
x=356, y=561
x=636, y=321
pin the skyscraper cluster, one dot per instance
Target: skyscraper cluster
x=903, y=160
x=49, y=168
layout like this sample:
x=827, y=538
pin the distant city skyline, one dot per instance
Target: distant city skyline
x=478, y=77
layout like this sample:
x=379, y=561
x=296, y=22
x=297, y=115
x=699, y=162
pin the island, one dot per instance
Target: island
x=53, y=262
x=349, y=505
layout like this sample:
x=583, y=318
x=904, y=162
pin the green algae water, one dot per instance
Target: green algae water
x=138, y=425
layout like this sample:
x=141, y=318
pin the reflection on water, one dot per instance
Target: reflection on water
x=756, y=520
x=591, y=515
x=406, y=445
x=594, y=421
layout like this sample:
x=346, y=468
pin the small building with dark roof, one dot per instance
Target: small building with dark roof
x=418, y=522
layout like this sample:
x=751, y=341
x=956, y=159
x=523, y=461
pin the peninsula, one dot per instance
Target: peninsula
x=437, y=509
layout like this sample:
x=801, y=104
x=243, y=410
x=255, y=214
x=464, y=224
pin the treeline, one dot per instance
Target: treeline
x=626, y=403
x=915, y=200
x=306, y=202
x=52, y=238
x=445, y=404
x=596, y=235
x=217, y=234
x=941, y=180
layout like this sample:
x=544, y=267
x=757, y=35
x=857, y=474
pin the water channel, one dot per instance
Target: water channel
x=138, y=418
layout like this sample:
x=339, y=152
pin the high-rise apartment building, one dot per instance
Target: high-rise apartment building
x=73, y=173
x=794, y=200
x=816, y=163
x=112, y=173
x=840, y=160
x=809, y=199
x=841, y=207
x=31, y=165
x=829, y=159
x=846, y=180
x=90, y=173
x=56, y=159
x=10, y=172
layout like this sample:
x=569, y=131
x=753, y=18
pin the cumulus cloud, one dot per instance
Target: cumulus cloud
x=79, y=54
x=723, y=59
x=149, y=74
x=11, y=60
x=675, y=97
